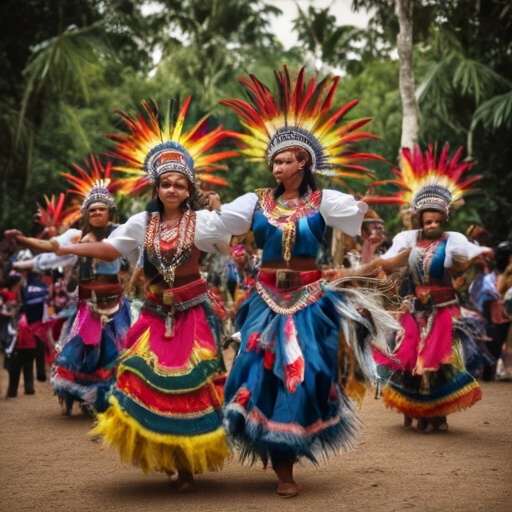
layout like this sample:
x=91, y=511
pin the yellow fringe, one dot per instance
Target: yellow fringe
x=159, y=452
x=457, y=401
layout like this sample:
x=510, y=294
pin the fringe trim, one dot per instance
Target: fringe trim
x=158, y=452
x=255, y=439
x=454, y=402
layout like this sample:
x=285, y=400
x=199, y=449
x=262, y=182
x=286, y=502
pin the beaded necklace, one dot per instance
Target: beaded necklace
x=425, y=250
x=181, y=237
x=285, y=215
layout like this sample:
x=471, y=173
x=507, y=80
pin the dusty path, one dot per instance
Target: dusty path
x=47, y=463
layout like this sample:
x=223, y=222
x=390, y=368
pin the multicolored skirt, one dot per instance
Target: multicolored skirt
x=305, y=356
x=165, y=409
x=85, y=369
x=426, y=375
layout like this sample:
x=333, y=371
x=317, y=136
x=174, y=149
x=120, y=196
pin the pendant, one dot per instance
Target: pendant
x=169, y=324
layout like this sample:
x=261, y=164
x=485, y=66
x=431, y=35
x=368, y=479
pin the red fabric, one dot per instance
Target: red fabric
x=184, y=403
x=438, y=344
x=7, y=295
x=436, y=349
x=252, y=342
x=191, y=331
x=408, y=351
x=26, y=338
x=98, y=376
x=87, y=325
x=48, y=332
x=270, y=278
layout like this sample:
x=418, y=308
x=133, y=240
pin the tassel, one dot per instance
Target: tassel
x=169, y=325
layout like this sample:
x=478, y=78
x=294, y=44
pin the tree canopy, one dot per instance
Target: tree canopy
x=67, y=65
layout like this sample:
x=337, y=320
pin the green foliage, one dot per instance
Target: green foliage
x=65, y=66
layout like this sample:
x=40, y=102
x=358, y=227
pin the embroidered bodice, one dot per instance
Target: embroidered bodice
x=91, y=268
x=288, y=230
x=427, y=262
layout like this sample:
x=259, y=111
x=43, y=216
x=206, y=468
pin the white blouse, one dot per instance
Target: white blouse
x=50, y=261
x=210, y=235
x=339, y=210
x=458, y=247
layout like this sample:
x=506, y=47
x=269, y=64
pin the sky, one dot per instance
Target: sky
x=282, y=25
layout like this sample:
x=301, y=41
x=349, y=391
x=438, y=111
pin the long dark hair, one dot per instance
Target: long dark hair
x=308, y=180
x=196, y=201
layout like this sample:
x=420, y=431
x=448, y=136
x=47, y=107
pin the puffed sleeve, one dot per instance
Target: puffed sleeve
x=237, y=215
x=459, y=248
x=342, y=211
x=129, y=237
x=211, y=234
x=402, y=240
x=49, y=260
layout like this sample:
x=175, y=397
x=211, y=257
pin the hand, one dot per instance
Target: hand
x=214, y=201
x=12, y=234
x=58, y=249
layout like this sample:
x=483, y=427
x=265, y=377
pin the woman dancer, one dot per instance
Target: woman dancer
x=427, y=377
x=165, y=410
x=85, y=369
x=306, y=345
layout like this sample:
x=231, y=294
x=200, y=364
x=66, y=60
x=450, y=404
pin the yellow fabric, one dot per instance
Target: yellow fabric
x=159, y=452
x=456, y=401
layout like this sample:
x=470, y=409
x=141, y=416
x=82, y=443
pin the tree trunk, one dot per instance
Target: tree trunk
x=407, y=88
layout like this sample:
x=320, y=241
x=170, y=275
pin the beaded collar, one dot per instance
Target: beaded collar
x=286, y=215
x=279, y=212
x=178, y=248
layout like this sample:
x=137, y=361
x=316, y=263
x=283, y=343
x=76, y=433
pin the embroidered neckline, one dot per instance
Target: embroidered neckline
x=181, y=244
x=284, y=218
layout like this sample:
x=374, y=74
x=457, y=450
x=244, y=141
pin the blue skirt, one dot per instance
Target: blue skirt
x=85, y=372
x=287, y=395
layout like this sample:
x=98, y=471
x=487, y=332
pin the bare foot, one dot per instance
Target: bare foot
x=289, y=490
x=422, y=424
x=185, y=481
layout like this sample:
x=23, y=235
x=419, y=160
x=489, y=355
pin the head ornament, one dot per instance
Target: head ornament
x=425, y=182
x=93, y=183
x=156, y=145
x=300, y=114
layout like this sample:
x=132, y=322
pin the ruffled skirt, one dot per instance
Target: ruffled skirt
x=165, y=409
x=291, y=389
x=85, y=369
x=427, y=376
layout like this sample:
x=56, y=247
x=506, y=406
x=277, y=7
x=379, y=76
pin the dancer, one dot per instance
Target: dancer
x=85, y=369
x=165, y=410
x=288, y=393
x=427, y=378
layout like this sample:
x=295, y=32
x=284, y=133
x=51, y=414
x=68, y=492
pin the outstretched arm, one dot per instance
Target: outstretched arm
x=99, y=250
x=34, y=244
x=388, y=265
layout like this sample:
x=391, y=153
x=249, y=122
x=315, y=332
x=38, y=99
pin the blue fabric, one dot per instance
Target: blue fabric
x=312, y=403
x=308, y=239
x=77, y=357
x=165, y=424
x=483, y=289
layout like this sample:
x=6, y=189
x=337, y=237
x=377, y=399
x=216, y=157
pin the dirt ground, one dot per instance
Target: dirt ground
x=48, y=463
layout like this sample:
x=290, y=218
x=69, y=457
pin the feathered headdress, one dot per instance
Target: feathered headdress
x=94, y=184
x=156, y=145
x=301, y=115
x=425, y=182
x=51, y=217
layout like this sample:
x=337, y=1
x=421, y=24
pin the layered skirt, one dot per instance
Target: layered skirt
x=165, y=409
x=305, y=357
x=85, y=369
x=426, y=377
